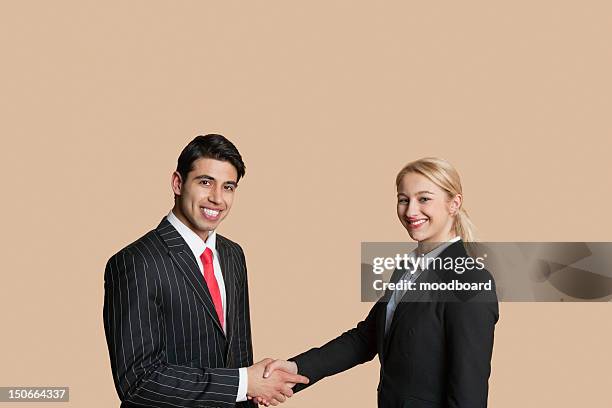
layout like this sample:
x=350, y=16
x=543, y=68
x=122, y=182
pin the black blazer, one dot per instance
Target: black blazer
x=437, y=353
x=166, y=344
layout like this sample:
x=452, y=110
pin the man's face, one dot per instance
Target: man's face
x=205, y=198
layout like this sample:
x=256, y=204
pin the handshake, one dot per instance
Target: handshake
x=271, y=381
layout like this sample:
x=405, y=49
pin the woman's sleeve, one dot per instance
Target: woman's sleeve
x=353, y=347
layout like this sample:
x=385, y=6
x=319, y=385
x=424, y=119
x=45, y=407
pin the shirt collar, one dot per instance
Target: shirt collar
x=195, y=243
x=437, y=250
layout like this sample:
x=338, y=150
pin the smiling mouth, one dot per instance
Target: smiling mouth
x=210, y=214
x=414, y=224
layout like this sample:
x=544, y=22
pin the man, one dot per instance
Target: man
x=176, y=303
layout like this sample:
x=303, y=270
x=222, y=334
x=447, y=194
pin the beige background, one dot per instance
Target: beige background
x=326, y=101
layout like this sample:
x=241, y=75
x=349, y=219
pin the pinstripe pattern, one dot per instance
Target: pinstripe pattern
x=166, y=345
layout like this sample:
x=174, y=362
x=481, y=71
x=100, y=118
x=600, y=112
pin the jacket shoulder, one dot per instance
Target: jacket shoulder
x=233, y=246
x=147, y=248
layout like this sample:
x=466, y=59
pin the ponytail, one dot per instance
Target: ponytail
x=464, y=227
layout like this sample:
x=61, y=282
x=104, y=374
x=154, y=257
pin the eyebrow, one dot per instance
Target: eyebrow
x=420, y=192
x=207, y=177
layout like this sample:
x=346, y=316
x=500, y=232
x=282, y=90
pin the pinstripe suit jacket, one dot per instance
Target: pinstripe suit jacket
x=167, y=347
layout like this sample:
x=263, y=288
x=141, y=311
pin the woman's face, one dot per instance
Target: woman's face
x=425, y=210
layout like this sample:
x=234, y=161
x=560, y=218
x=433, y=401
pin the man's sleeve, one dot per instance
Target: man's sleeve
x=133, y=323
x=351, y=348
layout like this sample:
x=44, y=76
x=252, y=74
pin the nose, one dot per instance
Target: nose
x=413, y=208
x=215, y=195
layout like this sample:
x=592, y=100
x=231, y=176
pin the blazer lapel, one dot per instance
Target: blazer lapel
x=454, y=250
x=401, y=308
x=381, y=320
x=184, y=260
x=382, y=316
x=229, y=278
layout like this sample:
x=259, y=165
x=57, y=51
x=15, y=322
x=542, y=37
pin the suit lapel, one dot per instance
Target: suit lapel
x=183, y=258
x=382, y=317
x=403, y=306
x=381, y=320
x=226, y=260
x=454, y=250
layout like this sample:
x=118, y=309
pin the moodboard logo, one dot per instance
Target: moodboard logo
x=518, y=272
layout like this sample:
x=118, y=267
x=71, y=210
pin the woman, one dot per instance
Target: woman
x=434, y=352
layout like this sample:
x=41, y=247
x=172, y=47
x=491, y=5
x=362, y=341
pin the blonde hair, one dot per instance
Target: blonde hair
x=443, y=174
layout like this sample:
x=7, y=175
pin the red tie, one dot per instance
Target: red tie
x=211, y=281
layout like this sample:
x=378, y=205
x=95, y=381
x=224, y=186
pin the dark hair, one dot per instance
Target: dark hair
x=210, y=146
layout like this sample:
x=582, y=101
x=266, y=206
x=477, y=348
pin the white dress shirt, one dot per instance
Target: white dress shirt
x=197, y=246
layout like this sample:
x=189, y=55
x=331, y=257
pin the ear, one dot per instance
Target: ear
x=177, y=183
x=455, y=204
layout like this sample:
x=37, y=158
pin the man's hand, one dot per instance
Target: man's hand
x=288, y=366
x=276, y=387
x=271, y=367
